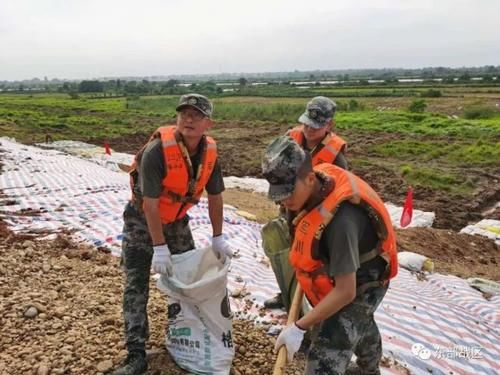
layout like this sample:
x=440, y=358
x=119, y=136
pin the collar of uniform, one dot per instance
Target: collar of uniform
x=319, y=146
x=201, y=144
x=326, y=187
x=326, y=138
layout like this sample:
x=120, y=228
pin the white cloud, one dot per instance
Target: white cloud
x=80, y=39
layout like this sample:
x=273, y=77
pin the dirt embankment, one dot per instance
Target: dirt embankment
x=453, y=211
x=453, y=253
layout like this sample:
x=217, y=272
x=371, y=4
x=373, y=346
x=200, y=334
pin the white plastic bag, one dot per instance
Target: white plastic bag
x=415, y=262
x=484, y=285
x=199, y=336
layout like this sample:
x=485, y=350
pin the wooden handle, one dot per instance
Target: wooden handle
x=293, y=315
x=124, y=167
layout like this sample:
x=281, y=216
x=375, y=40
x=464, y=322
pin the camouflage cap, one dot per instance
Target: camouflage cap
x=200, y=102
x=319, y=111
x=282, y=160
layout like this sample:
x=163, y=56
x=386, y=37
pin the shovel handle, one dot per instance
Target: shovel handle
x=293, y=315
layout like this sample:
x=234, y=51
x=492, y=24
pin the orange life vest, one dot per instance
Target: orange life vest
x=332, y=145
x=181, y=189
x=312, y=274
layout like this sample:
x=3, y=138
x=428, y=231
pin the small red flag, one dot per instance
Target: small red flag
x=106, y=148
x=407, y=213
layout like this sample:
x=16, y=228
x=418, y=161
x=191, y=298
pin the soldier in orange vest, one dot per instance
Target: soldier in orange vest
x=168, y=177
x=315, y=135
x=343, y=252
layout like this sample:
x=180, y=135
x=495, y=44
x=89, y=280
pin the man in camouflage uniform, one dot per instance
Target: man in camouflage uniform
x=149, y=242
x=313, y=135
x=345, y=251
x=317, y=124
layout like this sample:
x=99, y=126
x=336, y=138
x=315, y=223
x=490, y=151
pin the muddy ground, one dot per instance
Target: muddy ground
x=240, y=146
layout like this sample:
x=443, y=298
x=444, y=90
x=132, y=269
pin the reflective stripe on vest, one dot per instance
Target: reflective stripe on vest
x=332, y=145
x=308, y=230
x=177, y=197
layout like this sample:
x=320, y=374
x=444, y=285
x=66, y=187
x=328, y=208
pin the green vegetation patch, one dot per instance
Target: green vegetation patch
x=478, y=153
x=86, y=116
x=436, y=179
x=28, y=117
x=419, y=123
x=162, y=104
x=485, y=153
x=225, y=110
x=258, y=112
x=350, y=116
x=475, y=112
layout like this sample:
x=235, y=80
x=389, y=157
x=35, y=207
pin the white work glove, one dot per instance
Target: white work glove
x=221, y=248
x=162, y=261
x=292, y=337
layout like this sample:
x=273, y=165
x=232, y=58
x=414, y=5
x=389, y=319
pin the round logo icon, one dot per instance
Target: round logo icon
x=192, y=101
x=425, y=354
x=416, y=348
x=421, y=351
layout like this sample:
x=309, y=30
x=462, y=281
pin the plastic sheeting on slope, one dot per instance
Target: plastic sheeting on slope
x=487, y=228
x=457, y=327
x=91, y=152
x=418, y=315
x=259, y=185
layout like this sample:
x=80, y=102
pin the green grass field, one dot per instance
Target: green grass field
x=424, y=143
x=20, y=113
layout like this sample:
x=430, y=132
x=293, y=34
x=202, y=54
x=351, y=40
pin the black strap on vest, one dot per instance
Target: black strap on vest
x=366, y=257
x=179, y=198
x=370, y=284
x=378, y=283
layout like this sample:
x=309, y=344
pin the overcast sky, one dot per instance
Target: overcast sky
x=78, y=39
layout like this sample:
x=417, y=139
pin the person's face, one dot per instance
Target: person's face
x=191, y=123
x=301, y=193
x=315, y=136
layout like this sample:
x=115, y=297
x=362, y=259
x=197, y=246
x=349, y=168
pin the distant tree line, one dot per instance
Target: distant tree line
x=242, y=83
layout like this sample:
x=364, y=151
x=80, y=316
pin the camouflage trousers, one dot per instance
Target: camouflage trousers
x=350, y=331
x=137, y=253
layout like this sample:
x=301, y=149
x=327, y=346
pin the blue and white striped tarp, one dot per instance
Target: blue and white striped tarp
x=439, y=324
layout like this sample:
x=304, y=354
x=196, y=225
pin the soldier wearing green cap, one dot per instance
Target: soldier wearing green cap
x=343, y=253
x=315, y=135
x=168, y=177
